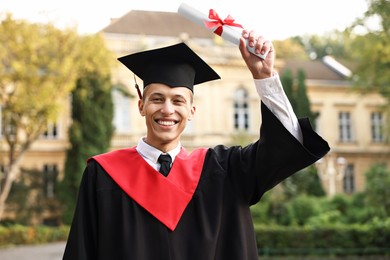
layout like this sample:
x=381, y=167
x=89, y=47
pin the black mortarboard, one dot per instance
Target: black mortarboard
x=176, y=66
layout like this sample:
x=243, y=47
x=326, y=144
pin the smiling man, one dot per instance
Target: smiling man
x=156, y=200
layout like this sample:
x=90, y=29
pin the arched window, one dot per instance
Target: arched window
x=241, y=110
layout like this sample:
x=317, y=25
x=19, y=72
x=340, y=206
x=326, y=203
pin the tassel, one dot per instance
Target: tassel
x=137, y=88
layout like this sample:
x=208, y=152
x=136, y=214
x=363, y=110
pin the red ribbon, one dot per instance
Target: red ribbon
x=219, y=23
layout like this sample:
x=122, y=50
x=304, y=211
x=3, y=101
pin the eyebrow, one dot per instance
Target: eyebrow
x=162, y=95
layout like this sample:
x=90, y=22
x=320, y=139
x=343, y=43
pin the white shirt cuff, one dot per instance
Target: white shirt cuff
x=272, y=94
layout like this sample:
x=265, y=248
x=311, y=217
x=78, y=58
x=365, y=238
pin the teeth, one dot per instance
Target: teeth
x=167, y=123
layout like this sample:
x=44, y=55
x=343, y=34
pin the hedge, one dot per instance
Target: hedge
x=272, y=240
x=332, y=240
x=18, y=234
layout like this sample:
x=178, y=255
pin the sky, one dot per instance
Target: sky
x=275, y=19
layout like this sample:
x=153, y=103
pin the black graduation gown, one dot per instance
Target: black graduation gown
x=216, y=223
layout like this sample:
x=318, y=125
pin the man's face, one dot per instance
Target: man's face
x=166, y=111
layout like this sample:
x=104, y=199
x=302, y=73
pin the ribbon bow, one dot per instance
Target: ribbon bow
x=219, y=23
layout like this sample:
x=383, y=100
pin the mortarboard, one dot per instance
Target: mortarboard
x=176, y=66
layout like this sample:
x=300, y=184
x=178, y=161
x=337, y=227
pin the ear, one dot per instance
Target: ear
x=141, y=107
x=192, y=113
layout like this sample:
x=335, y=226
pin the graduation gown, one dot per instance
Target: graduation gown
x=203, y=216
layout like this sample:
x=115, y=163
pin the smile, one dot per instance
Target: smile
x=166, y=122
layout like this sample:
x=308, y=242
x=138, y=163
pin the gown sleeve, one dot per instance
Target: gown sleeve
x=82, y=240
x=258, y=167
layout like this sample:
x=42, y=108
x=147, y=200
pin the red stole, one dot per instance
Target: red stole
x=164, y=197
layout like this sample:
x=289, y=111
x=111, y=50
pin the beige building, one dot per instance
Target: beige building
x=228, y=109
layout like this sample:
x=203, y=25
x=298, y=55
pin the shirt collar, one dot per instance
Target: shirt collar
x=152, y=153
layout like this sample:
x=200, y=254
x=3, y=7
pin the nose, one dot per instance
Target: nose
x=168, y=107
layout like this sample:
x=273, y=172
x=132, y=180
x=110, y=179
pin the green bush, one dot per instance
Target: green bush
x=332, y=240
x=18, y=234
x=304, y=207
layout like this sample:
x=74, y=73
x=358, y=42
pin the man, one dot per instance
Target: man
x=198, y=206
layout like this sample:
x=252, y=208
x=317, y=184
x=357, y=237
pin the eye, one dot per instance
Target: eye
x=156, y=99
x=179, y=101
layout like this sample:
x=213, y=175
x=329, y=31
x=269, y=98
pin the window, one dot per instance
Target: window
x=377, y=126
x=241, y=110
x=349, y=179
x=345, y=127
x=51, y=131
x=50, y=173
x=121, y=112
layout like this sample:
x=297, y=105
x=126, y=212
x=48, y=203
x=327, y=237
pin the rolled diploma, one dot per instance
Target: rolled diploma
x=228, y=33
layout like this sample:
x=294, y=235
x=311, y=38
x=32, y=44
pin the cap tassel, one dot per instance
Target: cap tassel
x=137, y=88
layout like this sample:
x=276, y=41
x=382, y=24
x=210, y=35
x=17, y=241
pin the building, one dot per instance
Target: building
x=228, y=109
x=351, y=122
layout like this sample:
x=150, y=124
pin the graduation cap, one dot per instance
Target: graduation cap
x=176, y=66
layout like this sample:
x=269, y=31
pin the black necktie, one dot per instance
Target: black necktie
x=165, y=160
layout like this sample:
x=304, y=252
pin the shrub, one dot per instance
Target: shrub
x=18, y=234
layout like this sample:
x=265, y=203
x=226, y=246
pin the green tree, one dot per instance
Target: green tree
x=304, y=207
x=290, y=49
x=335, y=43
x=37, y=73
x=377, y=191
x=287, y=79
x=297, y=94
x=302, y=102
x=92, y=116
x=306, y=182
x=371, y=51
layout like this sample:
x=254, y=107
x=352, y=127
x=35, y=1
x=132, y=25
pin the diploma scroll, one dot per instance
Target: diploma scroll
x=227, y=29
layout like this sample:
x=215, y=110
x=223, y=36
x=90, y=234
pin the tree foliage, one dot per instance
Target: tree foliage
x=335, y=43
x=369, y=207
x=290, y=49
x=302, y=101
x=38, y=68
x=287, y=79
x=377, y=191
x=306, y=182
x=296, y=92
x=92, y=116
x=371, y=51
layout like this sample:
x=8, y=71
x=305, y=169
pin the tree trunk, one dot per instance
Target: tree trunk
x=10, y=176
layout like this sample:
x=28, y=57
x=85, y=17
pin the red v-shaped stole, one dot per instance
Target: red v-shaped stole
x=164, y=197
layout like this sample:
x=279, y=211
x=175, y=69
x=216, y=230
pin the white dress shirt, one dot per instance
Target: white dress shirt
x=151, y=154
x=270, y=91
x=272, y=94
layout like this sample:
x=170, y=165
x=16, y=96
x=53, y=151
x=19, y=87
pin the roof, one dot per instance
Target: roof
x=157, y=24
x=314, y=69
